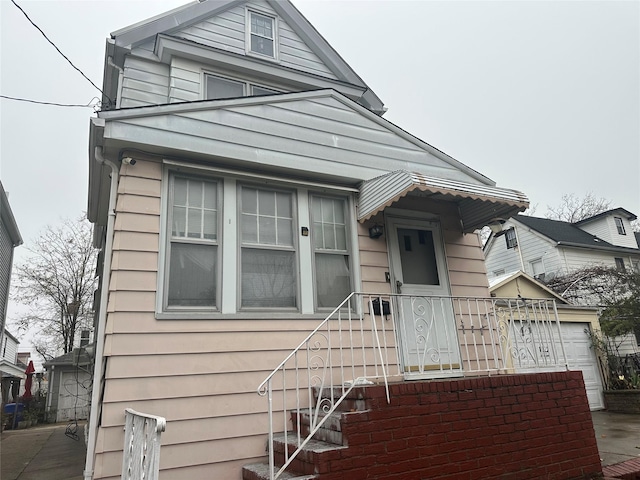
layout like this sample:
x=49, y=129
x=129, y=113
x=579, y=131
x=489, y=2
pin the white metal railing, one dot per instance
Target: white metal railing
x=373, y=337
x=141, y=455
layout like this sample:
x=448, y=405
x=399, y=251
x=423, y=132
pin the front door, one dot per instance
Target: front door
x=425, y=318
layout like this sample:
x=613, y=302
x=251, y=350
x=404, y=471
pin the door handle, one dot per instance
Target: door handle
x=399, y=286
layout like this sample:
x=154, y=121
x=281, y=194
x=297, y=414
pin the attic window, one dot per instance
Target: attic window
x=261, y=35
x=620, y=226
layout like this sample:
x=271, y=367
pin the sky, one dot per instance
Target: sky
x=540, y=96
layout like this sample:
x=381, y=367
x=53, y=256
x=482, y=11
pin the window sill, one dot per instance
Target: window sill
x=262, y=315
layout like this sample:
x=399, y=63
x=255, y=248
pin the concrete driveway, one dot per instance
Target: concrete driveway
x=618, y=436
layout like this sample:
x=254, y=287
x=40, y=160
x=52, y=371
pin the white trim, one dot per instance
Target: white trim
x=247, y=34
x=305, y=254
x=162, y=249
x=230, y=260
x=257, y=176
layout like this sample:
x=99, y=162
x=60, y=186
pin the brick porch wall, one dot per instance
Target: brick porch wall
x=535, y=426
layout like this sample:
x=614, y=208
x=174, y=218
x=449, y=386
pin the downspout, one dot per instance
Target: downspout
x=96, y=392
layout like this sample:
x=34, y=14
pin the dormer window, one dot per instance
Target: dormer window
x=218, y=88
x=261, y=35
x=620, y=226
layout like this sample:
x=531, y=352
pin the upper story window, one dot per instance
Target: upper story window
x=261, y=35
x=537, y=269
x=217, y=88
x=620, y=225
x=510, y=238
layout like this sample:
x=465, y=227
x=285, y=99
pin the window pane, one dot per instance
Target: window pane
x=338, y=211
x=341, y=237
x=249, y=229
x=285, y=232
x=261, y=25
x=210, y=224
x=218, y=88
x=266, y=203
x=332, y=279
x=210, y=196
x=180, y=191
x=192, y=275
x=195, y=194
x=318, y=240
x=267, y=230
x=329, y=236
x=249, y=200
x=283, y=204
x=327, y=210
x=268, y=278
x=418, y=257
x=194, y=223
x=262, y=45
x=255, y=90
x=179, y=222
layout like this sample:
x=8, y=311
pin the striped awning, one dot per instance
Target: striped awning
x=478, y=204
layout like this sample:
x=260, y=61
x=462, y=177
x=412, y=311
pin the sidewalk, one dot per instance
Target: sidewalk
x=42, y=453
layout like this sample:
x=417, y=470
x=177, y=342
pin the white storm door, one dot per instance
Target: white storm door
x=425, y=318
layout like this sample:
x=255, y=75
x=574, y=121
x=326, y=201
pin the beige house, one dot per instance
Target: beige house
x=243, y=184
x=577, y=323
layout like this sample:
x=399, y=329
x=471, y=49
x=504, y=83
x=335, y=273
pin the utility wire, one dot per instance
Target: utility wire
x=59, y=51
x=88, y=105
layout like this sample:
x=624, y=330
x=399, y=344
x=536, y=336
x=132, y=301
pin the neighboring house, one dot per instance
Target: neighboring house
x=242, y=183
x=544, y=248
x=10, y=373
x=575, y=320
x=69, y=385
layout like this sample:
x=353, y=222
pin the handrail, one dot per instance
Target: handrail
x=372, y=336
x=141, y=454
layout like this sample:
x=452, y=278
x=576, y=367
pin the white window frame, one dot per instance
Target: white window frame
x=510, y=238
x=167, y=240
x=276, y=48
x=536, y=261
x=293, y=248
x=348, y=252
x=247, y=86
x=619, y=225
x=229, y=182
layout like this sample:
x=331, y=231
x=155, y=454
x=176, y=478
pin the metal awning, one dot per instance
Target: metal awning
x=478, y=204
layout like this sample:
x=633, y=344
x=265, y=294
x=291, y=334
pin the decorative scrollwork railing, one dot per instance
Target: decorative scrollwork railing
x=141, y=454
x=371, y=337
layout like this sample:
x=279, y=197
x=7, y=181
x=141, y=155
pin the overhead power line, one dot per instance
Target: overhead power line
x=59, y=51
x=88, y=105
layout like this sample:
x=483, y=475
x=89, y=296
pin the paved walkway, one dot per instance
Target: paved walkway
x=46, y=453
x=42, y=453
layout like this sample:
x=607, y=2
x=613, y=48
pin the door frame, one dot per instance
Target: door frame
x=399, y=219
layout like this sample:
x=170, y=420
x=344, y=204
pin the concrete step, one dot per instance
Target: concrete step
x=260, y=471
x=353, y=402
x=313, y=459
x=330, y=431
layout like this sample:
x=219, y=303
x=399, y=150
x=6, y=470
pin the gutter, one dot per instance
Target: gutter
x=96, y=393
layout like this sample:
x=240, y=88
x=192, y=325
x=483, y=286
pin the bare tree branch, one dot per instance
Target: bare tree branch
x=57, y=282
x=573, y=209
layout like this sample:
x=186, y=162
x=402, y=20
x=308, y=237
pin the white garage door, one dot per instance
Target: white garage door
x=582, y=357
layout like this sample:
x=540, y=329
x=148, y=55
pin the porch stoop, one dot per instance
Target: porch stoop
x=508, y=427
x=319, y=452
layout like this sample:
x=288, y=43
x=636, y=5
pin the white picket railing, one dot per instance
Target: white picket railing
x=141, y=454
x=377, y=338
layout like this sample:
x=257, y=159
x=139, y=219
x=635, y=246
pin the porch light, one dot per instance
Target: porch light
x=376, y=231
x=496, y=225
